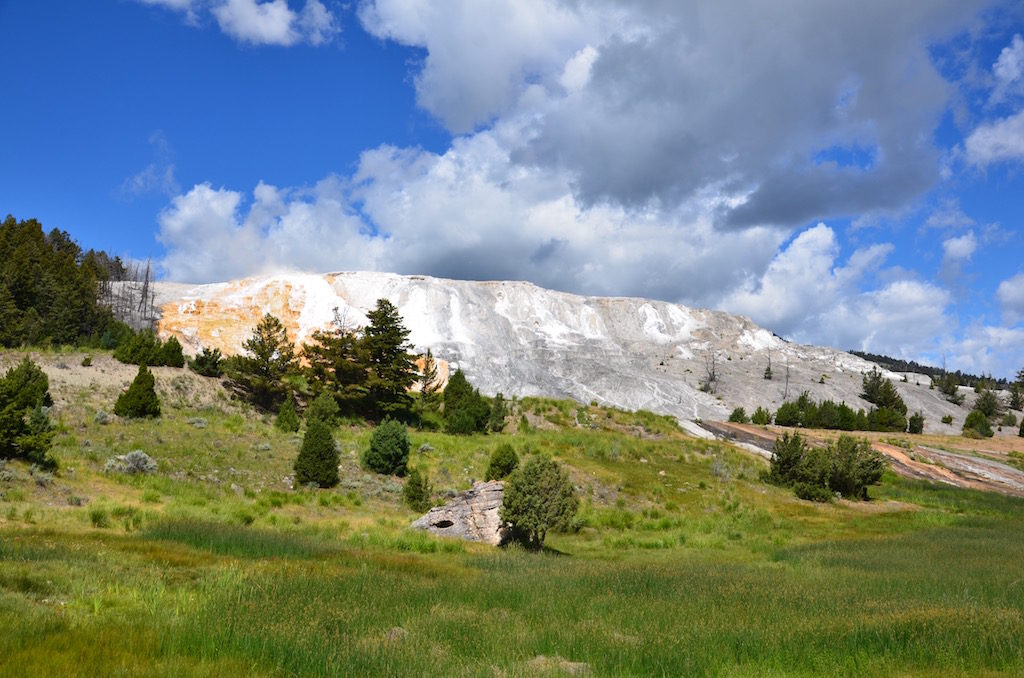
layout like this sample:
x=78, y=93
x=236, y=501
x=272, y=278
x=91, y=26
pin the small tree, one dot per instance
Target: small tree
x=259, y=376
x=761, y=416
x=1016, y=397
x=287, y=418
x=170, y=353
x=977, y=424
x=417, y=491
x=496, y=422
x=465, y=410
x=988, y=404
x=787, y=454
x=1021, y=431
x=389, y=449
x=539, y=497
x=739, y=416
x=318, y=458
x=325, y=408
x=140, y=399
x=392, y=372
x=206, y=363
x=504, y=461
x=916, y=423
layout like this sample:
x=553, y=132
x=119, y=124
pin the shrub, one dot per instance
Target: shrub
x=847, y=466
x=880, y=392
x=1021, y=431
x=504, y=461
x=988, y=404
x=389, y=449
x=539, y=497
x=207, y=363
x=465, y=410
x=87, y=361
x=949, y=386
x=761, y=416
x=171, y=355
x=788, y=414
x=739, y=416
x=947, y=419
x=977, y=423
x=787, y=453
x=140, y=399
x=496, y=421
x=916, y=423
x=417, y=491
x=287, y=418
x=324, y=408
x=886, y=419
x=1009, y=419
x=318, y=458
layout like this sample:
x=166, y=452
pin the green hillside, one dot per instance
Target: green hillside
x=680, y=561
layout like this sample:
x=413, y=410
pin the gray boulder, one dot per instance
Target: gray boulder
x=471, y=515
x=135, y=461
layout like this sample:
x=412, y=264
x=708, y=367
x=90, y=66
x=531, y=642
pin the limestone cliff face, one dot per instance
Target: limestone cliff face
x=520, y=339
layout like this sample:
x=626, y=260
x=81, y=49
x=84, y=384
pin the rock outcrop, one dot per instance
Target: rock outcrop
x=471, y=515
x=523, y=340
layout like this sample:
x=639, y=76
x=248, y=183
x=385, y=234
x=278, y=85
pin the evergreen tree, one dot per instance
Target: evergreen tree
x=496, y=421
x=539, y=497
x=323, y=408
x=761, y=416
x=465, y=410
x=392, y=371
x=140, y=399
x=259, y=376
x=25, y=430
x=988, y=403
x=389, y=449
x=503, y=462
x=428, y=383
x=170, y=353
x=1016, y=397
x=916, y=423
x=977, y=424
x=417, y=491
x=880, y=391
x=338, y=363
x=287, y=418
x=318, y=457
x=207, y=363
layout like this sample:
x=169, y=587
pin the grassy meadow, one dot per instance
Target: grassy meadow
x=682, y=561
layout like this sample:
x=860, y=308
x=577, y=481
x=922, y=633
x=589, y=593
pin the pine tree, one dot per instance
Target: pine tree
x=140, y=399
x=287, y=418
x=392, y=371
x=428, y=383
x=25, y=429
x=417, y=491
x=496, y=421
x=539, y=497
x=318, y=458
x=259, y=376
x=338, y=363
x=324, y=408
x=389, y=449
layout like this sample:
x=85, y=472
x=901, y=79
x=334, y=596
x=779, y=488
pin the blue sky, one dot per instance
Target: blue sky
x=844, y=175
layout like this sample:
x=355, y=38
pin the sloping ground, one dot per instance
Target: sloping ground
x=961, y=462
x=523, y=340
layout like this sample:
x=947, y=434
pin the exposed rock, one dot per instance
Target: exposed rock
x=471, y=515
x=519, y=339
x=134, y=462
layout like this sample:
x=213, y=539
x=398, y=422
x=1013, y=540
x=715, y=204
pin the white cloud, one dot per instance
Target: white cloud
x=1008, y=71
x=959, y=248
x=989, y=349
x=157, y=176
x=1011, y=296
x=262, y=22
x=949, y=214
x=997, y=141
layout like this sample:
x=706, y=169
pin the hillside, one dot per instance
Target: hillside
x=520, y=339
x=681, y=561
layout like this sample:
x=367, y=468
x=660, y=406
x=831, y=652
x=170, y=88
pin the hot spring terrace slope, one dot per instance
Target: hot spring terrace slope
x=520, y=339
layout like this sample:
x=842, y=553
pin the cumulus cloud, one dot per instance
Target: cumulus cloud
x=1008, y=71
x=960, y=248
x=652, y=101
x=1011, y=296
x=261, y=22
x=998, y=141
x=809, y=295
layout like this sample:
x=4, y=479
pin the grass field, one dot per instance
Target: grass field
x=683, y=563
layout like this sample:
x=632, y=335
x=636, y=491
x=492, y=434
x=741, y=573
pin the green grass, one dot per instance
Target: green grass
x=681, y=562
